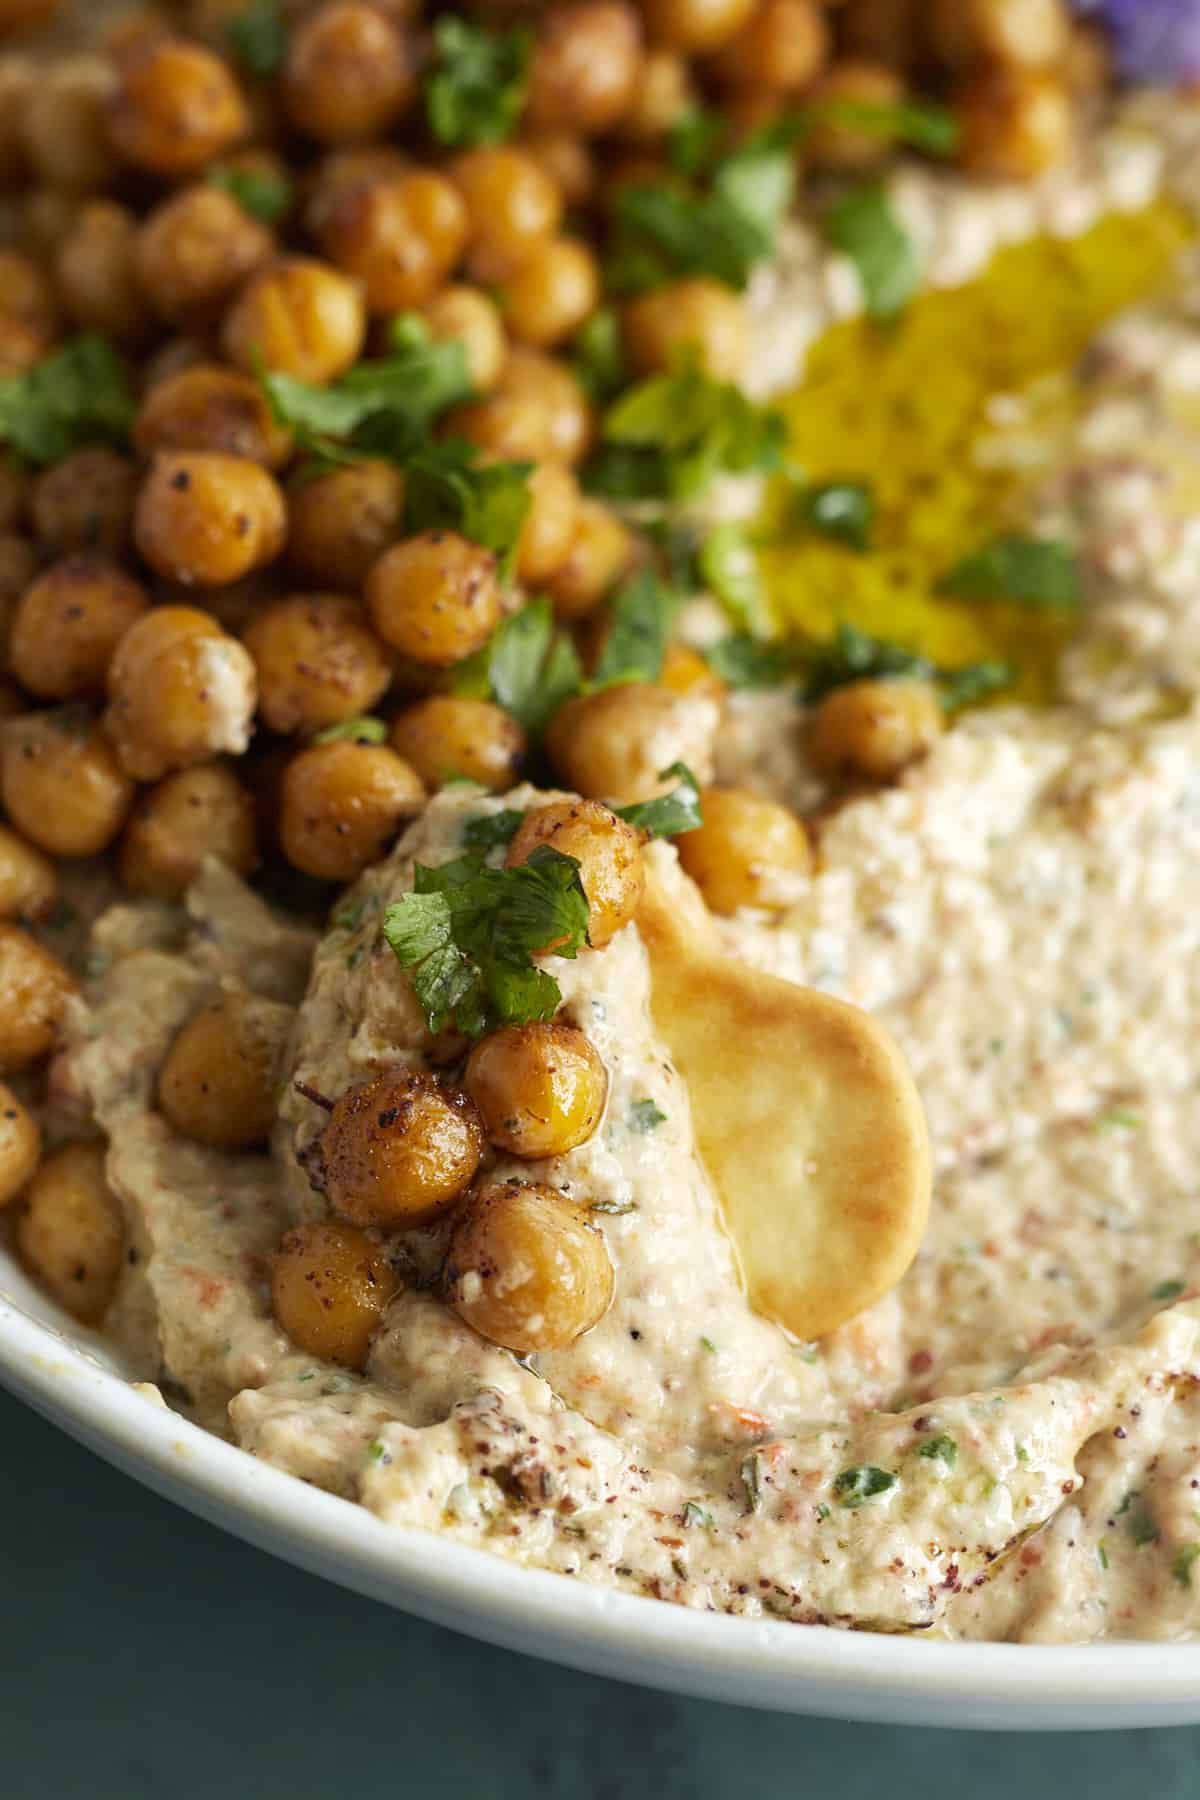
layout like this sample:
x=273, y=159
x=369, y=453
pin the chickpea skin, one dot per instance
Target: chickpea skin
x=194, y=251
x=349, y=74
x=1014, y=123
x=540, y=1088
x=526, y=1268
x=662, y=94
x=470, y=317
x=331, y=1285
x=614, y=745
x=71, y=1233
x=781, y=48
x=68, y=624
x=193, y=814
x=29, y=316
x=341, y=804
x=748, y=852
x=297, y=316
x=205, y=519
x=20, y=1146
x=318, y=662
x=537, y=412
x=400, y=1150
x=61, y=783
x=180, y=691
x=549, y=531
x=177, y=107
x=446, y=736
x=585, y=67
x=64, y=130
x=217, y=1081
x=839, y=143
x=208, y=407
x=435, y=597
x=400, y=236
x=685, y=671
x=512, y=206
x=696, y=26
x=96, y=272
x=1022, y=34
x=607, y=849
x=555, y=289
x=85, y=502
x=872, y=730
x=28, y=879
x=34, y=990
x=600, y=553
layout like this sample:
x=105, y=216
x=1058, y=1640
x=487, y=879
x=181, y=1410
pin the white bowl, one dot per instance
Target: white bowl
x=69, y=1374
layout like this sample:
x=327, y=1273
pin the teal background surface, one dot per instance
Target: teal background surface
x=145, y=1656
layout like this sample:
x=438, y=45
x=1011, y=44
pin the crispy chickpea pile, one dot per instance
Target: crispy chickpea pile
x=234, y=624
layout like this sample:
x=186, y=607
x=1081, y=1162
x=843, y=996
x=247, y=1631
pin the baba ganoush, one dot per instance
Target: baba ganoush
x=467, y=477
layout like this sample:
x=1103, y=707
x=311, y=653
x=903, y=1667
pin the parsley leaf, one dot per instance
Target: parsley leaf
x=854, y=1487
x=447, y=484
x=1039, y=572
x=642, y=611
x=259, y=192
x=728, y=565
x=852, y=655
x=258, y=37
x=77, y=396
x=922, y=124
x=669, y=436
x=695, y=1514
x=490, y=830
x=973, y=682
x=468, y=934
x=745, y=661
x=599, y=356
x=528, y=666
x=475, y=87
x=364, y=730
x=669, y=814
x=693, y=140
x=940, y=1449
x=644, y=1116
x=844, y=510
x=1181, y=1565
x=863, y=225
x=1168, y=1290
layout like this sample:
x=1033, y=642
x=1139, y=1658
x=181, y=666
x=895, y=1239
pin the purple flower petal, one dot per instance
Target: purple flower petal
x=1156, y=40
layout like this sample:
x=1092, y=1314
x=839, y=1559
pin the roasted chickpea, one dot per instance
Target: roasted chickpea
x=527, y=1268
x=469, y=316
x=34, y=990
x=28, y=879
x=20, y=1146
x=28, y=312
x=341, y=522
x=662, y=93
x=64, y=128
x=685, y=671
x=85, y=502
x=839, y=143
x=781, y=48
x=748, y=852
x=540, y=1088
x=217, y=1081
x=342, y=170
x=609, y=854
x=697, y=314
x=536, y=412
x=349, y=74
x=195, y=250
x=61, y=783
x=399, y=1150
x=298, y=317
x=550, y=524
x=18, y=567
x=71, y=1233
x=555, y=289
x=399, y=235
x=180, y=691
x=872, y=730
x=696, y=26
x=48, y=217
x=207, y=519
x=69, y=622
x=1025, y=34
x=568, y=162
x=14, y=493
x=97, y=275
x=435, y=597
x=512, y=206
x=208, y=407
x=1014, y=123
x=585, y=66
x=446, y=736
x=614, y=745
x=883, y=31
x=341, y=804
x=178, y=823
x=330, y=1287
x=600, y=552
x=177, y=107
x=317, y=660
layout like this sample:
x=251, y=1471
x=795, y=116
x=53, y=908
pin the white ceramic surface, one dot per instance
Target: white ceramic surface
x=67, y=1373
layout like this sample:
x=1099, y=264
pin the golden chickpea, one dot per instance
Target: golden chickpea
x=180, y=691
x=64, y=128
x=85, y=502
x=68, y=625
x=339, y=172
x=400, y=1150
x=28, y=879
x=217, y=1081
x=696, y=26
x=18, y=567
x=872, y=730
x=28, y=311
x=298, y=317
x=445, y=736
x=540, y=1088
x=330, y=1287
x=555, y=289
x=341, y=522
x=179, y=822
x=205, y=519
x=537, y=412
x=609, y=854
x=97, y=273
x=399, y=235
x=435, y=597
x=697, y=314
x=1023, y=34
x=685, y=671
x=781, y=48
x=34, y=990
x=349, y=74
x=71, y=1233
x=613, y=745
x=550, y=524
x=600, y=552
x=207, y=407
x=20, y=1146
x=883, y=31
x=61, y=783
x=839, y=143
x=318, y=662
x=195, y=250
x=527, y=1268
x=512, y=206
x=566, y=160
x=177, y=107
x=662, y=93
x=748, y=852
x=48, y=217
x=1014, y=123
x=341, y=804
x=472, y=318
x=585, y=66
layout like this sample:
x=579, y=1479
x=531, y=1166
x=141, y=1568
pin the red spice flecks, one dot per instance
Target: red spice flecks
x=209, y=1289
x=920, y=1362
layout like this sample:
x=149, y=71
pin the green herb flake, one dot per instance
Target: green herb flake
x=823, y=1512
x=1181, y=1563
x=1035, y=572
x=864, y=227
x=475, y=85
x=706, y=1343
x=680, y=810
x=974, y=682
x=842, y=510
x=260, y=192
x=376, y=1450
x=618, y=1209
x=728, y=564
x=751, y=1478
x=364, y=730
x=1168, y=1290
x=1119, y=1118
x=598, y=357
x=77, y=396
x=447, y=486
x=694, y=139
x=1102, y=1553
x=671, y=435
x=490, y=830
x=695, y=1514
x=1021, y=1452
x=745, y=661
x=854, y=1487
x=528, y=666
x=941, y=1449
x=921, y=124
x=644, y=1116
x=258, y=37
x=852, y=655
x=1139, y=1520
x=641, y=615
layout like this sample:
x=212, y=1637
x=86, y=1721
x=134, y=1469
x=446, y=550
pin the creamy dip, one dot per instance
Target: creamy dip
x=1006, y=1446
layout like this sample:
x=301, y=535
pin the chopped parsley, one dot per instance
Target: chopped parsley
x=1119, y=1118
x=695, y=1514
x=921, y=124
x=617, y=1207
x=668, y=437
x=751, y=1476
x=365, y=730
x=853, y=655
x=728, y=565
x=1037, y=572
x=258, y=37
x=467, y=935
x=447, y=485
x=259, y=192
x=973, y=682
x=745, y=661
x=376, y=1450
x=706, y=1343
x=1140, y=1521
x=529, y=666
x=475, y=84
x=669, y=814
x=644, y=1116
x=1181, y=1564
x=77, y=396
x=854, y=1487
x=642, y=612
x=843, y=510
x=491, y=830
x=598, y=356
x=864, y=227
x=941, y=1449
x=1168, y=1290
